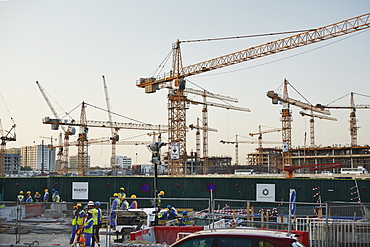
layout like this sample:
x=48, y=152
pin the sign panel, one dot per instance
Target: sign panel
x=80, y=190
x=292, y=198
x=285, y=146
x=175, y=150
x=265, y=192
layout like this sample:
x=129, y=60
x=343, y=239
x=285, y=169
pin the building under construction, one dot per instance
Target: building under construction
x=270, y=159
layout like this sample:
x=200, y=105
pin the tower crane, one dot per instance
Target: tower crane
x=63, y=153
x=84, y=125
x=175, y=79
x=205, y=128
x=6, y=136
x=259, y=133
x=352, y=116
x=236, y=142
x=312, y=123
x=114, y=131
x=286, y=120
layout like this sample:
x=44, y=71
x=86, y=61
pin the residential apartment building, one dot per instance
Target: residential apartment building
x=38, y=156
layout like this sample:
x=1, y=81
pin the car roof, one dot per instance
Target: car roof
x=247, y=232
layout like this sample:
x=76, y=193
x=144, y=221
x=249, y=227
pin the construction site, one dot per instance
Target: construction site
x=211, y=188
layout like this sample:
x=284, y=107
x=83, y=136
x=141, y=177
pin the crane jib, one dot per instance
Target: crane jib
x=305, y=38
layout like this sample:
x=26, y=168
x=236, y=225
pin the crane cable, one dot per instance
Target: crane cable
x=284, y=58
x=7, y=108
x=244, y=36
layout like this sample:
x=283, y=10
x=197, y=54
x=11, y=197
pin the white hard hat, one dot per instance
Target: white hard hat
x=90, y=203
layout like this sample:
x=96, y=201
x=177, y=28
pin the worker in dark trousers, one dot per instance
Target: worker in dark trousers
x=100, y=221
x=74, y=224
x=88, y=229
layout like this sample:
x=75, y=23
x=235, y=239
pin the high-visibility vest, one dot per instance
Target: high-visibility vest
x=118, y=202
x=20, y=198
x=94, y=212
x=74, y=218
x=80, y=218
x=89, y=226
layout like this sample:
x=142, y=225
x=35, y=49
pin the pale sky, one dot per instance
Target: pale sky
x=68, y=45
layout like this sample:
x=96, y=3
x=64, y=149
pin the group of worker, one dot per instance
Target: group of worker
x=86, y=223
x=120, y=202
x=170, y=213
x=55, y=196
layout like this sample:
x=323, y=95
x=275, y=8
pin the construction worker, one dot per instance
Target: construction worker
x=172, y=212
x=163, y=214
x=80, y=220
x=37, y=197
x=74, y=224
x=133, y=203
x=159, y=196
x=100, y=221
x=122, y=193
x=185, y=218
x=28, y=197
x=20, y=197
x=115, y=205
x=52, y=195
x=56, y=196
x=88, y=229
x=125, y=204
x=91, y=209
x=46, y=195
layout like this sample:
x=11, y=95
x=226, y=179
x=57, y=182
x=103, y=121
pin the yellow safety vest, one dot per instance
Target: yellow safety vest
x=94, y=212
x=74, y=220
x=90, y=229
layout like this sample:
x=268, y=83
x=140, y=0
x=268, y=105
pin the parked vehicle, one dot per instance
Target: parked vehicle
x=240, y=237
x=244, y=171
x=357, y=170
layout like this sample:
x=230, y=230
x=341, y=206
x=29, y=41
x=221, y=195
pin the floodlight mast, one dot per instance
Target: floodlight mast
x=155, y=147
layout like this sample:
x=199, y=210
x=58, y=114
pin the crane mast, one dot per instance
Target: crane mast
x=83, y=143
x=177, y=99
x=352, y=116
x=63, y=153
x=114, y=131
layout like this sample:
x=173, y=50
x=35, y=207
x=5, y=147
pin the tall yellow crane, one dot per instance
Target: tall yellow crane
x=175, y=79
x=286, y=120
x=114, y=131
x=63, y=153
x=352, y=116
x=236, y=142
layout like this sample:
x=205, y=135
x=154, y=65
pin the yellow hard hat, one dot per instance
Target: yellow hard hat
x=28, y=192
x=115, y=194
x=122, y=188
x=161, y=192
x=79, y=205
x=133, y=196
x=20, y=192
x=46, y=190
x=37, y=193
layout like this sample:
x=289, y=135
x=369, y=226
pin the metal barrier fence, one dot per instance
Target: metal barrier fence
x=328, y=224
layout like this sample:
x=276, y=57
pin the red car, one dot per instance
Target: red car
x=239, y=237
